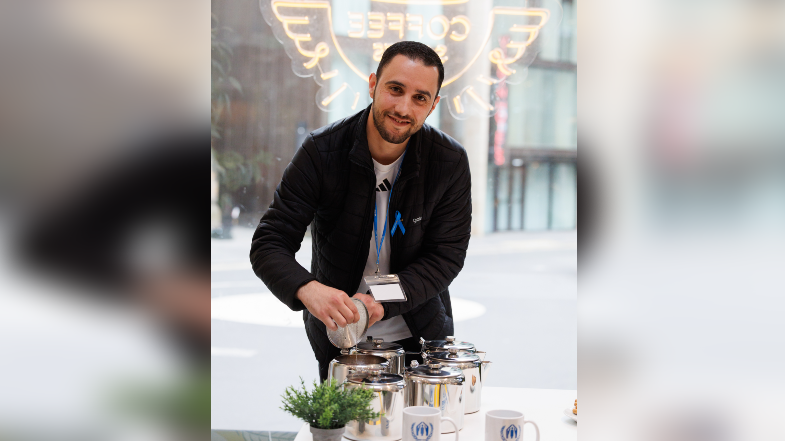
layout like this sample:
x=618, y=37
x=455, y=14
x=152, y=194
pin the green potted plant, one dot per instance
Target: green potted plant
x=328, y=407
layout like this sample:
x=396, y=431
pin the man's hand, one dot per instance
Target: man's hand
x=331, y=306
x=375, y=310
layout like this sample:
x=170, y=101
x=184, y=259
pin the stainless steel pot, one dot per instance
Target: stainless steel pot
x=392, y=352
x=344, y=365
x=474, y=369
x=388, y=400
x=434, y=385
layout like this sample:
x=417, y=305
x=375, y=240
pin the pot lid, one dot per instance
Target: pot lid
x=434, y=371
x=454, y=356
x=372, y=378
x=378, y=344
x=352, y=333
x=449, y=342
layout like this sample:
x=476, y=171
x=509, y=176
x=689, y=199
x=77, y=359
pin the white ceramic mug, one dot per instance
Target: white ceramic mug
x=506, y=425
x=423, y=423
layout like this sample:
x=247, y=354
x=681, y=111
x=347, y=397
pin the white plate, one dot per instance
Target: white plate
x=569, y=413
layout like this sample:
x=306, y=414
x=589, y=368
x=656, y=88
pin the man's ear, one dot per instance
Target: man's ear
x=371, y=84
x=434, y=105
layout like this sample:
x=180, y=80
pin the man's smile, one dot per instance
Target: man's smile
x=398, y=122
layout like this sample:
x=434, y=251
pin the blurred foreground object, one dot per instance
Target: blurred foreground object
x=681, y=304
x=105, y=317
x=121, y=255
x=129, y=231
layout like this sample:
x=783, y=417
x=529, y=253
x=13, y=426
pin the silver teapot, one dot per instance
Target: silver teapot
x=473, y=368
x=438, y=386
x=392, y=352
x=389, y=401
x=347, y=364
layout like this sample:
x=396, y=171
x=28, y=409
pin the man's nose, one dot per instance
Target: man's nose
x=403, y=106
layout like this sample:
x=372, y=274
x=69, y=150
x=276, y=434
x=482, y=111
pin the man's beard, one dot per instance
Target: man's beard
x=378, y=122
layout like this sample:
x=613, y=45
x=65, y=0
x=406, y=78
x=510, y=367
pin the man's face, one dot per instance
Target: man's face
x=403, y=97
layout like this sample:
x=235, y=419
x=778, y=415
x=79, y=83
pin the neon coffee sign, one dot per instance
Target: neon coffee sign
x=339, y=44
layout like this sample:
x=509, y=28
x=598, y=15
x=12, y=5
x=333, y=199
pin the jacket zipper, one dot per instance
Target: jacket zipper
x=360, y=264
x=399, y=186
x=394, y=243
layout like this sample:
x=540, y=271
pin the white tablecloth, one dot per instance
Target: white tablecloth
x=543, y=406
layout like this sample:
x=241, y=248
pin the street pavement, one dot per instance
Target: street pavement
x=516, y=299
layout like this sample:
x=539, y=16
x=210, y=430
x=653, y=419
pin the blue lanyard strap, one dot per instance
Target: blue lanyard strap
x=375, y=228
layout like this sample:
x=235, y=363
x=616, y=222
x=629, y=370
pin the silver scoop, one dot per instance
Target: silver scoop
x=352, y=333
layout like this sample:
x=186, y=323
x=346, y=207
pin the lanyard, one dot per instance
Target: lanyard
x=384, y=231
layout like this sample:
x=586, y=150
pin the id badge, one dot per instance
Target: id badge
x=386, y=288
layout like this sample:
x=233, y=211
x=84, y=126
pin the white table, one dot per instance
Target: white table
x=543, y=406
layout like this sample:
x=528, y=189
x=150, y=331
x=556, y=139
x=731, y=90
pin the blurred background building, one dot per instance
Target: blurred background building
x=523, y=154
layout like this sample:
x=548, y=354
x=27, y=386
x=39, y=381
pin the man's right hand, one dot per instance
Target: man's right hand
x=331, y=306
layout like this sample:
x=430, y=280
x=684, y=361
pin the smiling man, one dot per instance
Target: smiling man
x=385, y=194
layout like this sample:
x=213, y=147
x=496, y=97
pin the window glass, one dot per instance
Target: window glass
x=272, y=87
x=564, y=197
x=537, y=196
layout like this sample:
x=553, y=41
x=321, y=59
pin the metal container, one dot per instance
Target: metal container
x=344, y=365
x=434, y=385
x=474, y=369
x=448, y=343
x=392, y=352
x=352, y=333
x=388, y=400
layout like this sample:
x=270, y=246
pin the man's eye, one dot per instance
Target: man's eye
x=421, y=98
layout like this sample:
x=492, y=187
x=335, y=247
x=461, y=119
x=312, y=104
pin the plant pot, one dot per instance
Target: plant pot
x=327, y=434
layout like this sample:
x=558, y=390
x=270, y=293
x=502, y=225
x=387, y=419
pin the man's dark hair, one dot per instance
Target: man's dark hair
x=413, y=50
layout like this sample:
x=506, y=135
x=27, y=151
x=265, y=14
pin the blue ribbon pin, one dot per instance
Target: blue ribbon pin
x=397, y=224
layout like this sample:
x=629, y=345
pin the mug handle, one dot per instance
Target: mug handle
x=456, y=428
x=537, y=429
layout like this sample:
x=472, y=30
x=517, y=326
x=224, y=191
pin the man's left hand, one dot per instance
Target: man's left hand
x=375, y=310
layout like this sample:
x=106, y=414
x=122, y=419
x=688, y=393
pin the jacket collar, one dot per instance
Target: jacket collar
x=361, y=154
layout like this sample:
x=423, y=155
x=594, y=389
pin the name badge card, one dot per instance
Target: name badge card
x=386, y=288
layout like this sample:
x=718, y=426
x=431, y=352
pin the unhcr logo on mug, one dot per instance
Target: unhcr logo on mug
x=422, y=431
x=510, y=433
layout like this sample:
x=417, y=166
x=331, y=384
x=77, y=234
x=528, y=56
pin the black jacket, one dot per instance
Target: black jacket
x=330, y=183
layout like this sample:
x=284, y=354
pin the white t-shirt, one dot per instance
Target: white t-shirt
x=395, y=328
